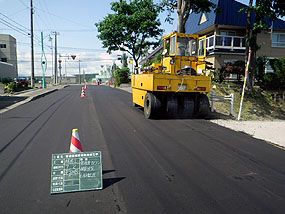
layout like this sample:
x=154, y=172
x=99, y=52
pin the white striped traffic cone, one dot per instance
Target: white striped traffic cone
x=83, y=92
x=75, y=145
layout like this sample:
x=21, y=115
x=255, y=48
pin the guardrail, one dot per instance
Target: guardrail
x=224, y=99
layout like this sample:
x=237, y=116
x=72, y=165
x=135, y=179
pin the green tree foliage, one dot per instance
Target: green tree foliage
x=275, y=80
x=263, y=9
x=121, y=75
x=184, y=8
x=260, y=69
x=132, y=28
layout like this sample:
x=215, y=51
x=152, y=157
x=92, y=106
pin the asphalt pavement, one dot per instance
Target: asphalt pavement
x=149, y=166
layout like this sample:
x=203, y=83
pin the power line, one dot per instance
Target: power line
x=49, y=14
x=23, y=3
x=13, y=21
x=42, y=19
x=15, y=27
x=64, y=18
x=19, y=31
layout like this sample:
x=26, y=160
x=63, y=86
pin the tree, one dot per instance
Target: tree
x=263, y=9
x=131, y=28
x=121, y=75
x=184, y=8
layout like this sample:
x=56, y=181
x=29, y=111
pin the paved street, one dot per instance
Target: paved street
x=6, y=101
x=149, y=166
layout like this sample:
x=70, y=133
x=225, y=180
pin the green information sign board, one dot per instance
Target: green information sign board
x=71, y=172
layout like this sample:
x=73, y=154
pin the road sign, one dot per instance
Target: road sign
x=72, y=172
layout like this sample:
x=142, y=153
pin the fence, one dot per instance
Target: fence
x=224, y=99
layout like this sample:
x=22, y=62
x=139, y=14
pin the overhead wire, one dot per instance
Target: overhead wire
x=23, y=3
x=49, y=14
x=13, y=28
x=61, y=17
x=14, y=21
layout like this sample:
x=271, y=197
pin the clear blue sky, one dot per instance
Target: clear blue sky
x=74, y=20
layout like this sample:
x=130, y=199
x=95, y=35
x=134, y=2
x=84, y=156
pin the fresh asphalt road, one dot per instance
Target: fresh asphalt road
x=149, y=166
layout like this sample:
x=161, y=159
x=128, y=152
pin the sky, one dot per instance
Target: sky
x=74, y=21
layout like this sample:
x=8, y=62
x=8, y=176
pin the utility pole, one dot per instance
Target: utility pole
x=55, y=57
x=32, y=48
x=83, y=75
x=79, y=72
x=50, y=39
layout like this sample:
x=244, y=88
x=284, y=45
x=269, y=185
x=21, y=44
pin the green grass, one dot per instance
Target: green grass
x=255, y=107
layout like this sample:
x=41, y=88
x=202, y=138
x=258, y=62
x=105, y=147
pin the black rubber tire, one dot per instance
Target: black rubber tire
x=188, y=107
x=152, y=106
x=172, y=106
x=203, y=106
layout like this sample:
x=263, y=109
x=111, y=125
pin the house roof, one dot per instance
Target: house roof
x=229, y=16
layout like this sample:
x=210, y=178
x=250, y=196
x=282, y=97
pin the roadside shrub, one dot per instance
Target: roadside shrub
x=279, y=68
x=228, y=68
x=121, y=75
x=272, y=81
x=260, y=69
x=11, y=86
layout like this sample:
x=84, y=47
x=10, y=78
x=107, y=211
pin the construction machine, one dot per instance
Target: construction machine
x=179, y=84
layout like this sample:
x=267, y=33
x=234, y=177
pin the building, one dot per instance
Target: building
x=225, y=34
x=8, y=57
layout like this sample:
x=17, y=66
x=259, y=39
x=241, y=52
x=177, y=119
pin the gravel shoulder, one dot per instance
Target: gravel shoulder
x=270, y=131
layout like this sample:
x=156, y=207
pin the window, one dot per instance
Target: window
x=268, y=68
x=227, y=37
x=185, y=46
x=2, y=45
x=4, y=59
x=278, y=40
x=172, y=45
x=201, y=50
x=228, y=33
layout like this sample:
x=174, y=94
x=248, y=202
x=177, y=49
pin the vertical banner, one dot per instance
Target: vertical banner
x=244, y=84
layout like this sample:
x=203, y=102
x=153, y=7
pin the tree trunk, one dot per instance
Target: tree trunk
x=180, y=24
x=247, y=43
x=136, y=66
x=180, y=17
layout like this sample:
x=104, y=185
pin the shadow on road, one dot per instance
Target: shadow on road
x=6, y=101
x=110, y=181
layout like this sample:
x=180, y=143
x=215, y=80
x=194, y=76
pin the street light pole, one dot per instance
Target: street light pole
x=55, y=57
x=50, y=39
x=32, y=48
x=79, y=72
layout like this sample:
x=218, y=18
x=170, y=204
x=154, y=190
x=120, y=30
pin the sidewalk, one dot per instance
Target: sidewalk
x=270, y=131
x=30, y=95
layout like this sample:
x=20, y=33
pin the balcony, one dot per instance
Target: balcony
x=225, y=43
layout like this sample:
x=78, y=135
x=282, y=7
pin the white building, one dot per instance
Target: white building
x=8, y=57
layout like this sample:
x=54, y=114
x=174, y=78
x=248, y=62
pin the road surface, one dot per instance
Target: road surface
x=149, y=166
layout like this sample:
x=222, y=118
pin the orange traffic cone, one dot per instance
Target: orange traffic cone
x=75, y=145
x=83, y=92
